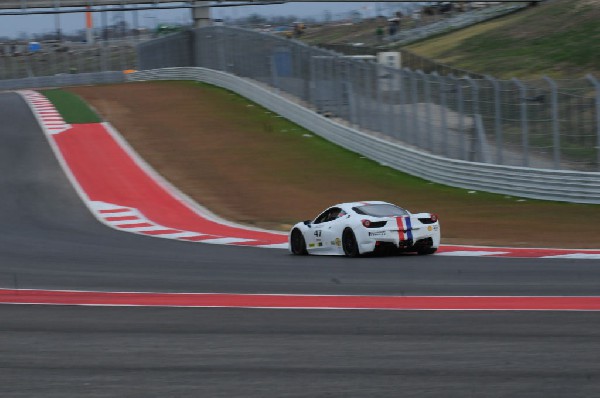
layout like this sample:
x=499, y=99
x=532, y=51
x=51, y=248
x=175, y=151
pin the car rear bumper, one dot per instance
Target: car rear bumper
x=427, y=236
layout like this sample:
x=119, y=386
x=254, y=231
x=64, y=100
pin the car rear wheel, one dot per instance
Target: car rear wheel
x=349, y=243
x=297, y=243
x=429, y=250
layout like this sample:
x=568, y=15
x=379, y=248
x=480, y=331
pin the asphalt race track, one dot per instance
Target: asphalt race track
x=49, y=240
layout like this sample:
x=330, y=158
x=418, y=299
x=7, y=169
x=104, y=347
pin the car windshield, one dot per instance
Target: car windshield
x=381, y=210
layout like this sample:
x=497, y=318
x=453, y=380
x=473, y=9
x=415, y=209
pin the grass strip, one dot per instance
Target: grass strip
x=72, y=108
x=557, y=38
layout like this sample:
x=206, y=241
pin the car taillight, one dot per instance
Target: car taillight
x=373, y=224
x=434, y=217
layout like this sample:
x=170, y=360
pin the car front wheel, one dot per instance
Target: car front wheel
x=297, y=243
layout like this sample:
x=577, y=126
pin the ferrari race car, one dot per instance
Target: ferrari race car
x=357, y=228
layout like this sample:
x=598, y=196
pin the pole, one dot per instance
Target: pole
x=596, y=84
x=57, y=20
x=89, y=27
x=555, y=127
x=524, y=121
x=201, y=15
x=497, y=119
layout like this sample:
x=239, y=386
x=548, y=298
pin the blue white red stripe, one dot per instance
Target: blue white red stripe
x=404, y=228
x=408, y=225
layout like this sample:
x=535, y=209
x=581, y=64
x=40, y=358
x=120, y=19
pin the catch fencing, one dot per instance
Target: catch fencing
x=73, y=59
x=63, y=80
x=544, y=124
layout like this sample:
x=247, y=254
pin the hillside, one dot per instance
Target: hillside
x=559, y=38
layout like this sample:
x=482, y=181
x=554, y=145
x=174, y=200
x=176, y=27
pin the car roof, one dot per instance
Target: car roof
x=362, y=203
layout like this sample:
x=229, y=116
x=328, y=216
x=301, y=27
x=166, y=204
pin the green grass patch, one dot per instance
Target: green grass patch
x=73, y=109
x=557, y=38
x=318, y=154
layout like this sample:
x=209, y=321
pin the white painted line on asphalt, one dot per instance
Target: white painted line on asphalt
x=275, y=246
x=180, y=235
x=586, y=256
x=226, y=241
x=465, y=253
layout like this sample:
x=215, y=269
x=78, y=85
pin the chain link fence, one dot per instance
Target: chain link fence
x=544, y=124
x=76, y=59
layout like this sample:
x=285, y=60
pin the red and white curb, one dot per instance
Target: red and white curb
x=313, y=302
x=48, y=115
x=125, y=193
x=520, y=252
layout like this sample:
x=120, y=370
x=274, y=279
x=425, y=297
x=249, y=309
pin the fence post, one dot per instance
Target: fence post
x=311, y=79
x=425, y=79
x=379, y=97
x=596, y=84
x=461, y=115
x=220, y=53
x=555, y=127
x=404, y=104
x=479, y=128
x=443, y=114
x=415, y=117
x=350, y=93
x=360, y=94
x=524, y=121
x=369, y=95
x=391, y=98
x=497, y=119
x=274, y=79
x=338, y=65
x=397, y=104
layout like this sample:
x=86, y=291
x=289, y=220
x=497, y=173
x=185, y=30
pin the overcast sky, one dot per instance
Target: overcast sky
x=25, y=25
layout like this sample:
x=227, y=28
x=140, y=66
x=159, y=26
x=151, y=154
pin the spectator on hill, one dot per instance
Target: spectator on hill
x=379, y=32
x=393, y=26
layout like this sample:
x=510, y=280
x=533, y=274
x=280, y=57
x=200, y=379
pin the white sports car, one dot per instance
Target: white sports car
x=357, y=228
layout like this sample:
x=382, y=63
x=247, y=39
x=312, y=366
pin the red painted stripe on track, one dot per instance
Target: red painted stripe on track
x=161, y=232
x=200, y=238
x=110, y=211
x=123, y=218
x=138, y=225
x=553, y=303
x=107, y=173
x=516, y=251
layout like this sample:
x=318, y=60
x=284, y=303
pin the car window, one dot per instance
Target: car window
x=329, y=215
x=380, y=210
x=322, y=217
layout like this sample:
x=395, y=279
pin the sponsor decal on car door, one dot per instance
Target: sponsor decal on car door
x=318, y=237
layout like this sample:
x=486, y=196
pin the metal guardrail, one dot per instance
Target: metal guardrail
x=68, y=59
x=559, y=185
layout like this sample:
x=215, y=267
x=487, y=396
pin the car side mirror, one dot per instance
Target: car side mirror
x=307, y=223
